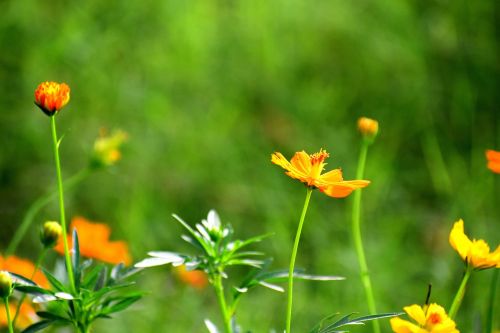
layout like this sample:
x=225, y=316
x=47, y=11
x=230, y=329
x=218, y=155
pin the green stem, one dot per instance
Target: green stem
x=292, y=261
x=7, y=311
x=37, y=265
x=491, y=301
x=358, y=241
x=69, y=267
x=36, y=206
x=460, y=293
x=226, y=315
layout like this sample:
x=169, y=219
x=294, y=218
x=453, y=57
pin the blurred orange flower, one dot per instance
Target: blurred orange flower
x=493, y=158
x=307, y=169
x=23, y=267
x=429, y=319
x=94, y=242
x=26, y=317
x=51, y=97
x=197, y=279
x=475, y=252
x=367, y=126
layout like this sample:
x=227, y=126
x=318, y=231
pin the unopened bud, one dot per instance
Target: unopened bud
x=368, y=127
x=51, y=232
x=5, y=284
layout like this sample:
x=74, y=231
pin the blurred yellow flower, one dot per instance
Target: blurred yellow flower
x=51, y=97
x=94, y=242
x=106, y=147
x=429, y=319
x=26, y=317
x=493, y=158
x=307, y=169
x=476, y=252
x=196, y=278
x=368, y=127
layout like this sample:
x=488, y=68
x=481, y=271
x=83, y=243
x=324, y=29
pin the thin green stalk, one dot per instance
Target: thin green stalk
x=69, y=267
x=36, y=206
x=460, y=293
x=37, y=265
x=358, y=241
x=491, y=301
x=7, y=311
x=292, y=261
x=226, y=315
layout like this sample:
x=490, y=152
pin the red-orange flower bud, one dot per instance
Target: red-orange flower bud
x=367, y=126
x=51, y=97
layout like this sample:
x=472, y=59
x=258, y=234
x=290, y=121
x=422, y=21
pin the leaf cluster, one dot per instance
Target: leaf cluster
x=98, y=292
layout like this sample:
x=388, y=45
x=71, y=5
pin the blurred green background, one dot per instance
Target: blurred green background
x=208, y=89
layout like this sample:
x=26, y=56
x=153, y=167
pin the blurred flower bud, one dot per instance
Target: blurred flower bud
x=5, y=284
x=51, y=232
x=51, y=97
x=368, y=127
x=106, y=148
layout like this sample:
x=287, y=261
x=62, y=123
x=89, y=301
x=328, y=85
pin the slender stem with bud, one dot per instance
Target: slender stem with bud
x=7, y=311
x=55, y=142
x=358, y=240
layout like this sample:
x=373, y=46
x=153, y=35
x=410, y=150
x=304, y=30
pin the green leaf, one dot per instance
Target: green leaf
x=51, y=316
x=21, y=280
x=90, y=279
x=75, y=259
x=206, y=246
x=346, y=321
x=54, y=282
x=121, y=304
x=32, y=290
x=38, y=326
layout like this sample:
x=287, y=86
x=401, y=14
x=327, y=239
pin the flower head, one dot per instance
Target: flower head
x=308, y=169
x=23, y=267
x=5, y=284
x=94, y=242
x=51, y=231
x=429, y=319
x=476, y=252
x=51, y=97
x=368, y=127
x=26, y=316
x=194, y=278
x=107, y=147
x=493, y=158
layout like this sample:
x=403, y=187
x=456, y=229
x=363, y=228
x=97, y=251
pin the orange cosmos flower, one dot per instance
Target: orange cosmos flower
x=23, y=267
x=307, y=169
x=94, y=242
x=429, y=319
x=475, y=252
x=493, y=158
x=51, y=97
x=26, y=317
x=197, y=279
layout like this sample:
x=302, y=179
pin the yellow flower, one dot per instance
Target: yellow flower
x=368, y=127
x=106, y=147
x=476, y=252
x=51, y=231
x=5, y=284
x=429, y=319
x=493, y=158
x=51, y=97
x=307, y=169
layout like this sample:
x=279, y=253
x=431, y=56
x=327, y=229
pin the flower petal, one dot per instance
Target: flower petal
x=344, y=188
x=417, y=313
x=458, y=240
x=399, y=325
